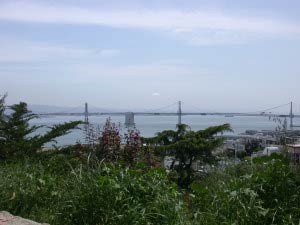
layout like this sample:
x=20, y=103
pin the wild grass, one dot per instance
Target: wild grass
x=265, y=191
x=103, y=194
x=60, y=189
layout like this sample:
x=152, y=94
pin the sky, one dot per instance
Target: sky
x=223, y=55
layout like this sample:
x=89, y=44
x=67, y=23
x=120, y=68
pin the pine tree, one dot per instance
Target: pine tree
x=18, y=137
x=188, y=146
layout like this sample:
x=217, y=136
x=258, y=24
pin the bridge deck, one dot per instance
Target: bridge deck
x=165, y=114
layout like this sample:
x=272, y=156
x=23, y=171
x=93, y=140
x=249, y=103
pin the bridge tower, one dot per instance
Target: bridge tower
x=86, y=114
x=291, y=116
x=129, y=119
x=179, y=113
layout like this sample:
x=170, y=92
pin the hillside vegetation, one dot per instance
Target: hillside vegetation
x=119, y=179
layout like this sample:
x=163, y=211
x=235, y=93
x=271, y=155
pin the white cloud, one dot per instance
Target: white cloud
x=155, y=72
x=21, y=51
x=199, y=26
x=155, y=94
x=161, y=70
x=217, y=37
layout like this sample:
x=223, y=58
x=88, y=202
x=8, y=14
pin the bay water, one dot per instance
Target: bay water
x=150, y=125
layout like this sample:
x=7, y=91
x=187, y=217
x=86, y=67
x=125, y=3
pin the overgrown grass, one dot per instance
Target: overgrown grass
x=79, y=195
x=59, y=189
x=263, y=192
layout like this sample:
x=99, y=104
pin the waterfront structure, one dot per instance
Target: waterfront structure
x=129, y=119
x=86, y=113
x=270, y=150
x=294, y=152
x=179, y=113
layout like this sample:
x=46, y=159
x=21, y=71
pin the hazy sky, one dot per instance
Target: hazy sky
x=216, y=55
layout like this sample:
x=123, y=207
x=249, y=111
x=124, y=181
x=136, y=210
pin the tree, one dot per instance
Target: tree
x=18, y=137
x=2, y=106
x=188, y=146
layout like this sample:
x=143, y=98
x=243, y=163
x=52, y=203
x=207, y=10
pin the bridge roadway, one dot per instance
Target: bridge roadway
x=166, y=114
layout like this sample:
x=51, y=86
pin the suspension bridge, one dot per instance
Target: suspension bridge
x=129, y=116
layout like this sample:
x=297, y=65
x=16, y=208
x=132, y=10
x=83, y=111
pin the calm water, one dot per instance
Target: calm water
x=149, y=125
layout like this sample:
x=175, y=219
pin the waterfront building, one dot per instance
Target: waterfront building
x=294, y=152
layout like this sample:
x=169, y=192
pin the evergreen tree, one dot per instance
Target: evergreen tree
x=18, y=137
x=188, y=146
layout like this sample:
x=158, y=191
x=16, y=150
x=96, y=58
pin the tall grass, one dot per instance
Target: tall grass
x=263, y=192
x=59, y=189
x=85, y=196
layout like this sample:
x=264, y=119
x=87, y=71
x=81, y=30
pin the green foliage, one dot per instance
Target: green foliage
x=72, y=186
x=188, y=146
x=55, y=187
x=80, y=195
x=19, y=138
x=266, y=192
x=2, y=105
